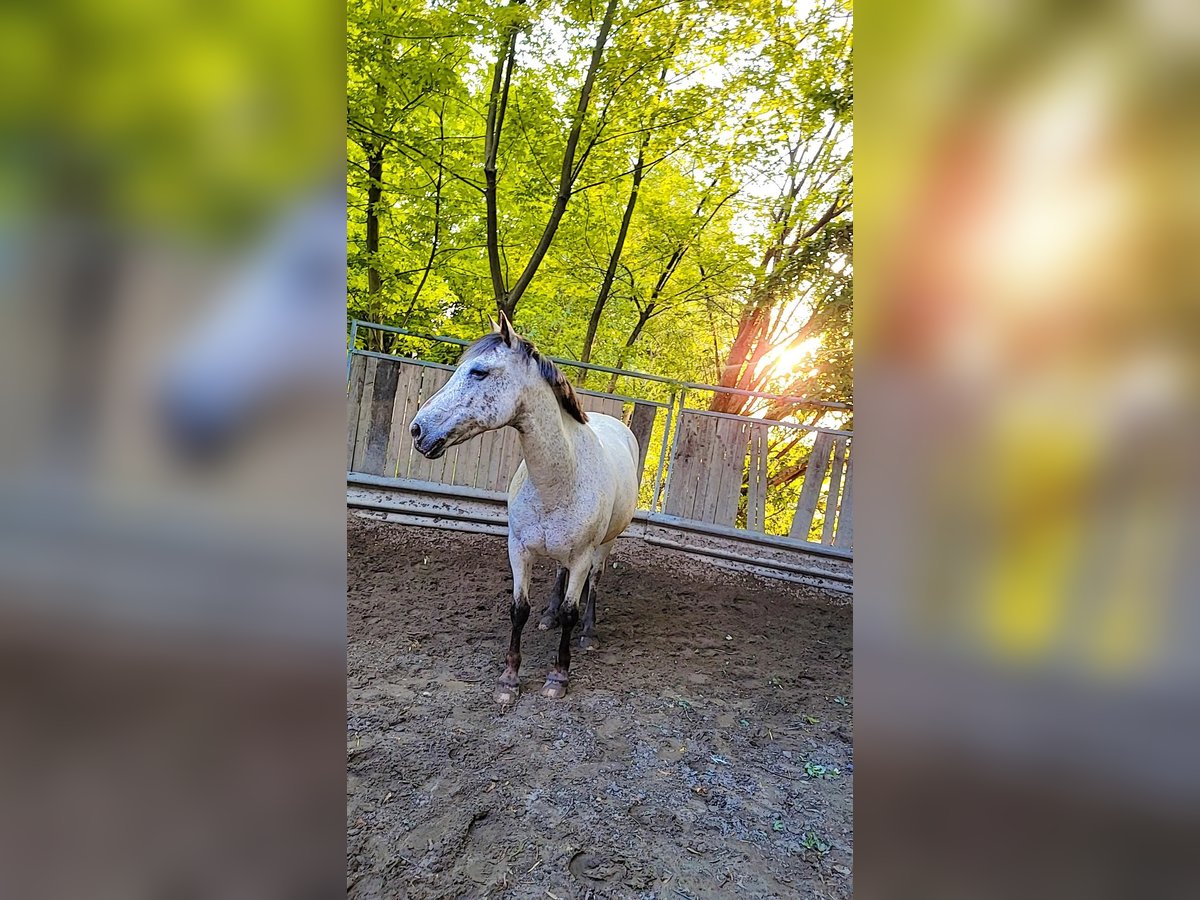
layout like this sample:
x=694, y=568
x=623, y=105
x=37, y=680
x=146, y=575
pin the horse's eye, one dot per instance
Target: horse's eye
x=478, y=374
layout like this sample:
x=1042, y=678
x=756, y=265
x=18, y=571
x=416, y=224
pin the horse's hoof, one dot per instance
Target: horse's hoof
x=507, y=690
x=588, y=642
x=548, y=621
x=555, y=687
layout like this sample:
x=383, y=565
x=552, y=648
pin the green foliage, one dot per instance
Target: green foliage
x=725, y=102
x=814, y=842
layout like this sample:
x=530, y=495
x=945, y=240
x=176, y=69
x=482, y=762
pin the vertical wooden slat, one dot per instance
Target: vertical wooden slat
x=466, y=465
x=491, y=480
x=806, y=505
x=364, y=414
x=431, y=382
x=681, y=483
x=845, y=527
x=487, y=442
x=702, y=463
x=641, y=423
x=756, y=474
x=358, y=371
x=379, y=427
x=835, y=485
x=731, y=473
x=511, y=459
x=719, y=440
x=420, y=468
x=400, y=448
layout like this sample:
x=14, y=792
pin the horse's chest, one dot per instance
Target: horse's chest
x=554, y=533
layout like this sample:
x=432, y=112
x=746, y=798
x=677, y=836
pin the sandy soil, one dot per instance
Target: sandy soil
x=685, y=761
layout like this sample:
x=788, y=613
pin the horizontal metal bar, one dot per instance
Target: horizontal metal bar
x=363, y=323
x=429, y=487
x=498, y=525
x=762, y=563
x=757, y=537
x=500, y=497
x=405, y=359
x=799, y=401
x=621, y=397
x=609, y=370
x=400, y=508
x=770, y=423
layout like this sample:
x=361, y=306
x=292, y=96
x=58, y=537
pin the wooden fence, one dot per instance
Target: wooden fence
x=712, y=468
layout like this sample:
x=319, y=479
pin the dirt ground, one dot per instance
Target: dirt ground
x=684, y=762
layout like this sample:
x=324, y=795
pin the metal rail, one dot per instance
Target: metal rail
x=356, y=324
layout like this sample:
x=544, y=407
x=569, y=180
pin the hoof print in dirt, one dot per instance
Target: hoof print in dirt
x=596, y=869
x=506, y=694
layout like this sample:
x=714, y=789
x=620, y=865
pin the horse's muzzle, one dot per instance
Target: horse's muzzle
x=434, y=450
x=427, y=445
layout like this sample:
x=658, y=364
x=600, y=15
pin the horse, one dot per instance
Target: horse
x=573, y=494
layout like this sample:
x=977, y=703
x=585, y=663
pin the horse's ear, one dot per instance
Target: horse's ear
x=505, y=329
x=495, y=325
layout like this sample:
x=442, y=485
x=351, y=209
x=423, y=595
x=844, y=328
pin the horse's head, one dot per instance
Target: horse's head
x=487, y=391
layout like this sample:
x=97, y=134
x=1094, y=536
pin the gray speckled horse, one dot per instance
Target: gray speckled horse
x=570, y=498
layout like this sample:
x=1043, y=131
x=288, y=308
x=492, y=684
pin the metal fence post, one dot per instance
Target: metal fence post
x=350, y=350
x=659, y=485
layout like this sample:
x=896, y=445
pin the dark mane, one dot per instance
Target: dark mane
x=553, y=376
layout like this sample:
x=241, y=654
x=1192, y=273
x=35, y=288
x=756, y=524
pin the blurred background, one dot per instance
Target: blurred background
x=1028, y=216
x=172, y=233
x=172, y=285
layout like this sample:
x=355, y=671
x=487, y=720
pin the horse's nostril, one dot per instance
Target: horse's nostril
x=415, y=430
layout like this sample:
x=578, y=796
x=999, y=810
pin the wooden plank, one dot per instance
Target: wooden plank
x=421, y=468
x=734, y=468
x=696, y=437
x=756, y=476
x=466, y=464
x=681, y=483
x=511, y=459
x=486, y=442
x=708, y=498
x=354, y=391
x=400, y=449
x=379, y=427
x=844, y=537
x=835, y=484
x=431, y=382
x=806, y=505
x=489, y=480
x=641, y=423
x=364, y=414
x=495, y=477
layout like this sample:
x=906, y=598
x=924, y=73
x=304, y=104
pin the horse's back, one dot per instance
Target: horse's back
x=615, y=436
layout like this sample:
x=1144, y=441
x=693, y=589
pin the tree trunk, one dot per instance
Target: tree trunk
x=374, y=198
x=569, y=173
x=437, y=216
x=497, y=105
x=613, y=260
x=643, y=318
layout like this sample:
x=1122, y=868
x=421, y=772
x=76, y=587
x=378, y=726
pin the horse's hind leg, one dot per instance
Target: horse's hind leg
x=577, y=578
x=587, y=635
x=550, y=615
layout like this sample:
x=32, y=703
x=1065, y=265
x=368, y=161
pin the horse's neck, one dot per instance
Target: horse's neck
x=548, y=445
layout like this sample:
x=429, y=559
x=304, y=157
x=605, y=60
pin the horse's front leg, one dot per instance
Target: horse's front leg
x=509, y=685
x=577, y=576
